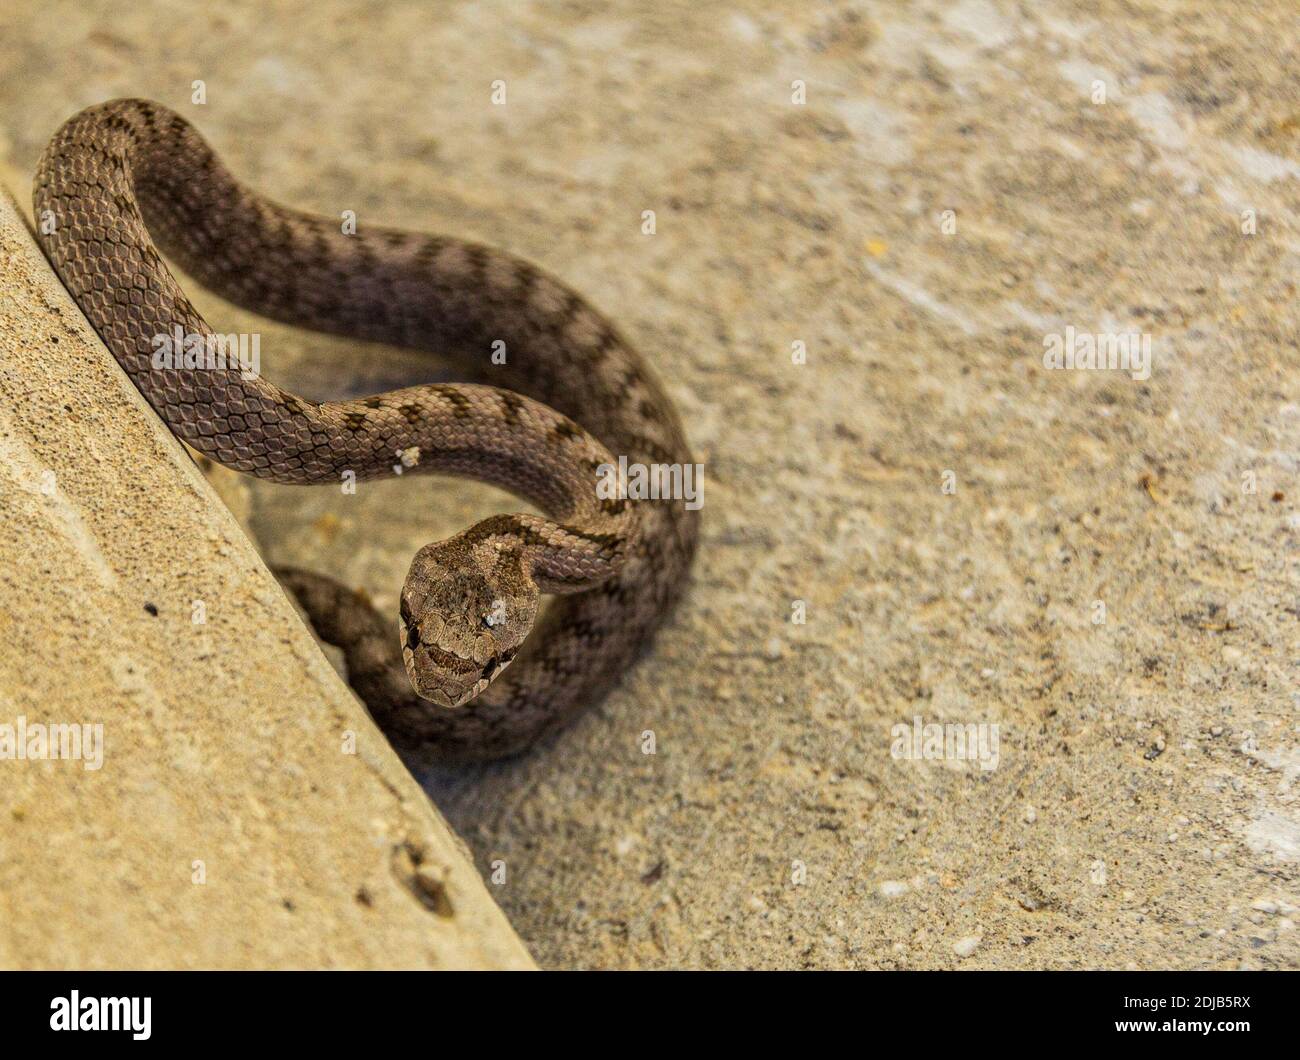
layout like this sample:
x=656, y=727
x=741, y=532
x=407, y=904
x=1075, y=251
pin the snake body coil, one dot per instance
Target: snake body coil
x=119, y=176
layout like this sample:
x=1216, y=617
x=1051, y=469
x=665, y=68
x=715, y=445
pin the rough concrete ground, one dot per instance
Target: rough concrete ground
x=1111, y=575
x=159, y=806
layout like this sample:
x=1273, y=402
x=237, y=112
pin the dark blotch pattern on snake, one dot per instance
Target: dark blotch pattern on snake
x=455, y=681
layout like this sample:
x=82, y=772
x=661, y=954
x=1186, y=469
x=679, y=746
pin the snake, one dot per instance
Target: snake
x=476, y=666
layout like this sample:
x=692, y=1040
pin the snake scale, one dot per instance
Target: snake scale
x=122, y=180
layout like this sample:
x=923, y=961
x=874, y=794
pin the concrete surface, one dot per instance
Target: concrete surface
x=1110, y=576
x=217, y=798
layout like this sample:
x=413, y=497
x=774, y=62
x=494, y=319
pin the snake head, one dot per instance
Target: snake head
x=464, y=614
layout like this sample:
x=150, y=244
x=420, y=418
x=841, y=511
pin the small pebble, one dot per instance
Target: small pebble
x=965, y=947
x=893, y=889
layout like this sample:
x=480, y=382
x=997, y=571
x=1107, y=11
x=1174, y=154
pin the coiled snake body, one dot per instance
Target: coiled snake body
x=119, y=173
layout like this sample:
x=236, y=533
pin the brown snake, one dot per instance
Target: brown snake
x=121, y=175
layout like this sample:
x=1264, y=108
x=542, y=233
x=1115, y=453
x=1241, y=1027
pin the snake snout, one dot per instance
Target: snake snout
x=448, y=663
x=464, y=618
